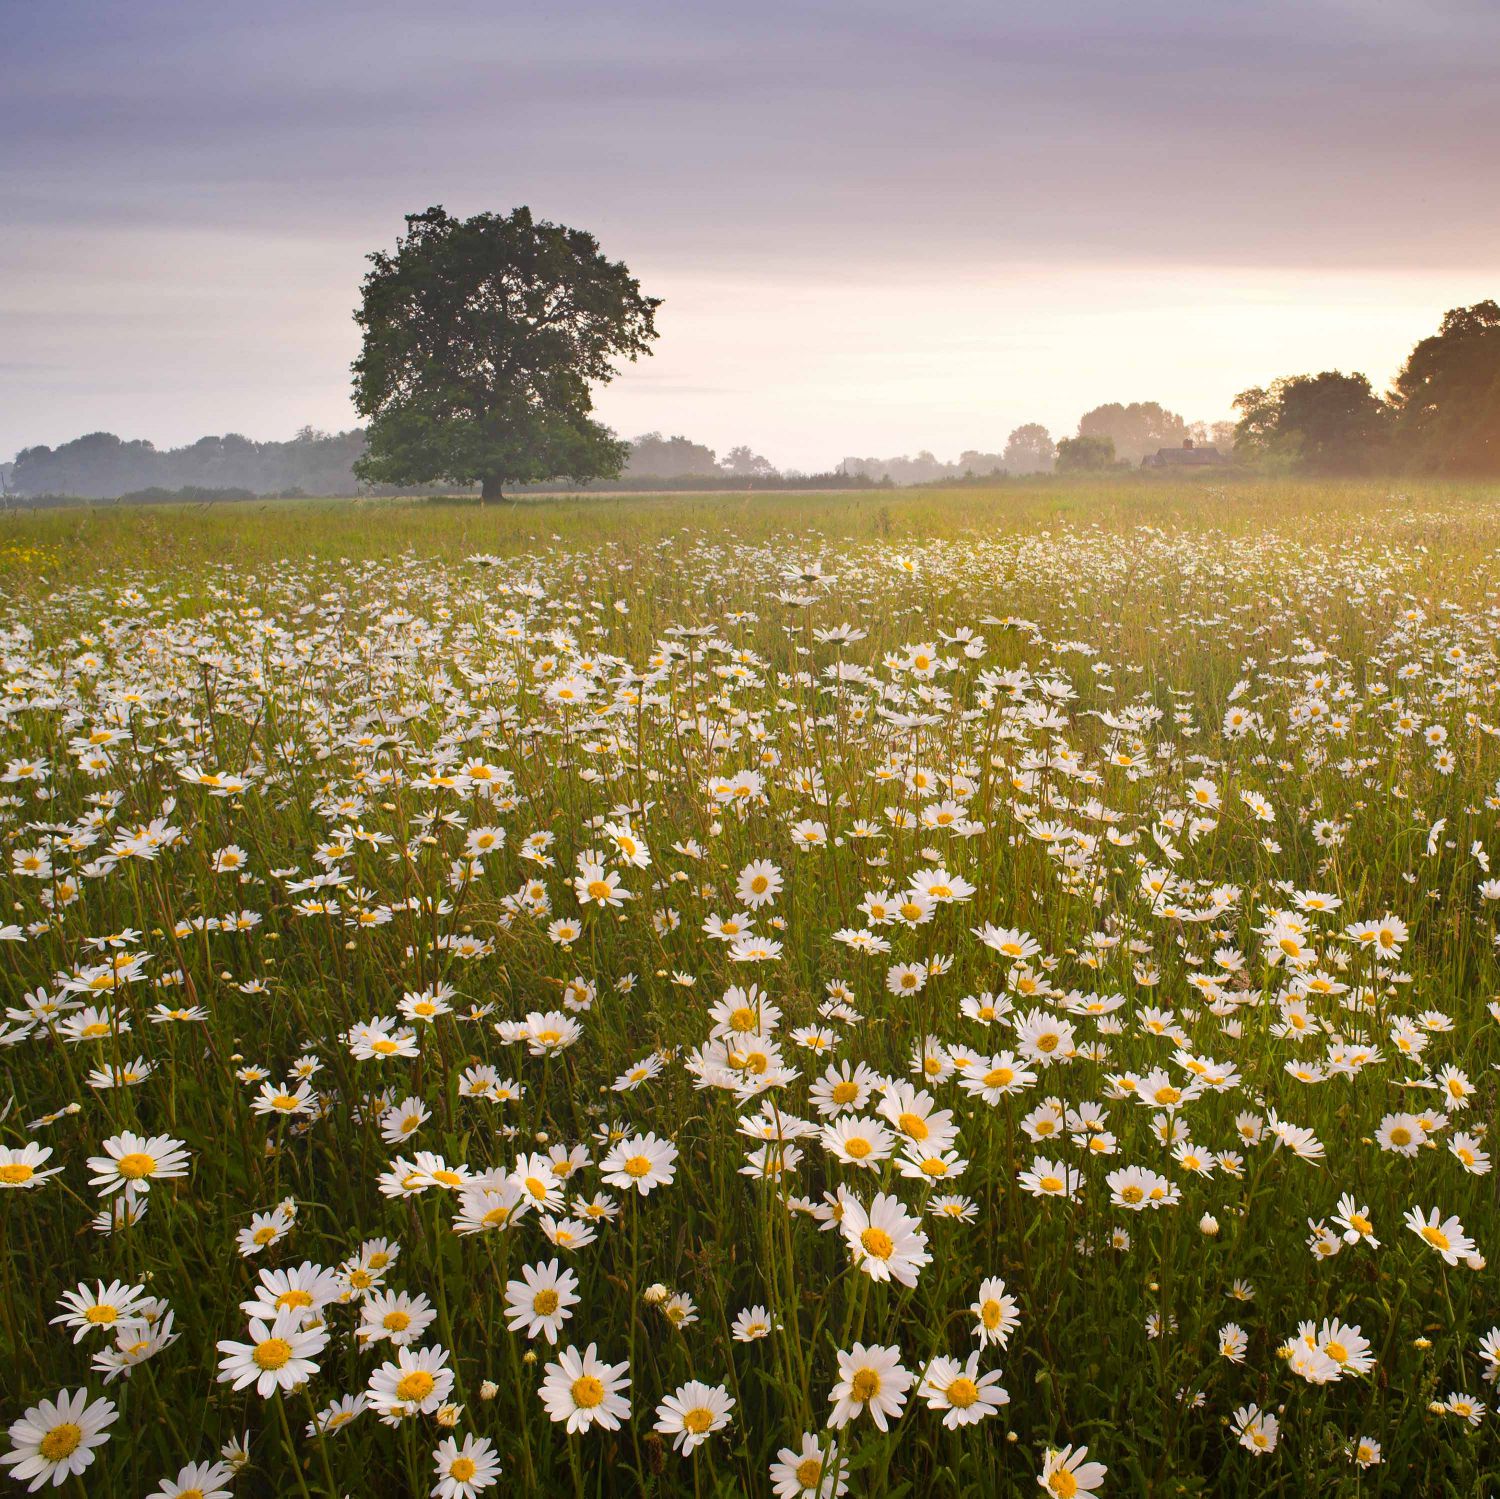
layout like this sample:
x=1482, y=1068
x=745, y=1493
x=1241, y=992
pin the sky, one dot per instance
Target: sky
x=876, y=226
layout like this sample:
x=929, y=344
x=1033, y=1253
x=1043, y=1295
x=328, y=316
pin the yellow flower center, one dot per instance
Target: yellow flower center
x=877, y=1243
x=1063, y=1484
x=697, y=1420
x=914, y=1126
x=1133, y=1194
x=865, y=1385
x=462, y=1468
x=544, y=1303
x=1436, y=1237
x=842, y=1093
x=587, y=1392
x=1047, y=1043
x=397, y=1321
x=809, y=1471
x=638, y=1166
x=743, y=1019
x=857, y=1147
x=415, y=1386
x=1051, y=1184
x=273, y=1353
x=989, y=1314
x=136, y=1165
x=962, y=1393
x=13, y=1173
x=62, y=1441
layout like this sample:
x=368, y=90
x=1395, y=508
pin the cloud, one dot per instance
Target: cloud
x=213, y=175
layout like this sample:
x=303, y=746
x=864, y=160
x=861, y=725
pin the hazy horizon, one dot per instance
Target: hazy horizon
x=873, y=233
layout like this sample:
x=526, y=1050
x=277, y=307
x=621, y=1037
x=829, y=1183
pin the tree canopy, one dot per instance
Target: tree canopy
x=1330, y=423
x=1447, y=396
x=1085, y=454
x=1029, y=450
x=1136, y=430
x=482, y=338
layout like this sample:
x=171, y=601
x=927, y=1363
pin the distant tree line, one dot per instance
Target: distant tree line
x=1441, y=417
x=104, y=466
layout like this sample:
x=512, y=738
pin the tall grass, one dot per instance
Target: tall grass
x=1184, y=740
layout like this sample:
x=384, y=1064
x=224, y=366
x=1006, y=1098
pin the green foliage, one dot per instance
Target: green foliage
x=1136, y=430
x=482, y=338
x=1323, y=424
x=311, y=628
x=1085, y=454
x=1447, y=396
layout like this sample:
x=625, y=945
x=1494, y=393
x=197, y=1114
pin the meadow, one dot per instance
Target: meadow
x=781, y=994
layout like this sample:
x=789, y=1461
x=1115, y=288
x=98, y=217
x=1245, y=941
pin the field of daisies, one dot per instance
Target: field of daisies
x=870, y=1000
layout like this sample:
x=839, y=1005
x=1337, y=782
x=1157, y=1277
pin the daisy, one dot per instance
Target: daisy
x=417, y=1383
x=692, y=1413
x=197, y=1481
x=759, y=884
x=394, y=1316
x=641, y=1162
x=541, y=1301
x=885, y=1240
x=871, y=1381
x=22, y=1167
x=1257, y=1429
x=307, y=1289
x=463, y=1471
x=337, y=1414
x=582, y=1391
x=1066, y=1474
x=1354, y=1221
x=1046, y=1178
x=961, y=1392
x=1444, y=1235
x=279, y=1356
x=856, y=1141
x=751, y=1325
x=813, y=1471
x=996, y=1314
x=134, y=1161
x=115, y=1307
x=55, y=1439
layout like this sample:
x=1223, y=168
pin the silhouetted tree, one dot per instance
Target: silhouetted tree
x=743, y=463
x=482, y=337
x=1029, y=450
x=656, y=457
x=1136, y=430
x=1447, y=396
x=1330, y=423
x=1084, y=454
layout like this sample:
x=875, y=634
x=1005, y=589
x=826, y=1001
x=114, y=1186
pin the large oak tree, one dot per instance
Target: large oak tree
x=482, y=338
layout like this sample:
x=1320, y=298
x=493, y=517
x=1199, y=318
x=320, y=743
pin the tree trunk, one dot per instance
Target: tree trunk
x=490, y=489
